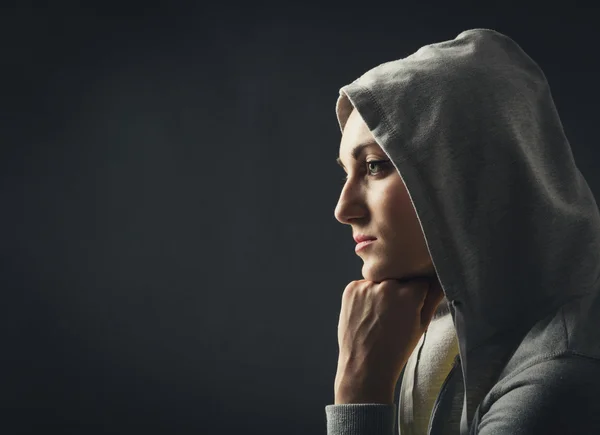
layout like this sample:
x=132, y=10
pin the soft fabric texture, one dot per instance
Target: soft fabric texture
x=424, y=374
x=513, y=231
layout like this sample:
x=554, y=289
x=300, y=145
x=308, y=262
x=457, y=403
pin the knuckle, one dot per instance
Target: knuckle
x=351, y=288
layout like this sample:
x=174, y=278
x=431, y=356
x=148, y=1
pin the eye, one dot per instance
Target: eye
x=372, y=166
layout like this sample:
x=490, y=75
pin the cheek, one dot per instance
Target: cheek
x=398, y=214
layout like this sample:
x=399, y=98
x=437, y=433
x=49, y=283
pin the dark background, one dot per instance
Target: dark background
x=170, y=259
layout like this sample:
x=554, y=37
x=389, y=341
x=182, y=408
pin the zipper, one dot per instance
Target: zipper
x=442, y=391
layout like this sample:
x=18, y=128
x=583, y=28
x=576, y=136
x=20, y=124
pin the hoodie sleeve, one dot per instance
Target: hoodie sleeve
x=361, y=419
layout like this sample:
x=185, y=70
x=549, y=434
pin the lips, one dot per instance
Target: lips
x=363, y=244
x=363, y=238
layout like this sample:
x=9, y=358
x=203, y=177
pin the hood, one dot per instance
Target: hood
x=511, y=225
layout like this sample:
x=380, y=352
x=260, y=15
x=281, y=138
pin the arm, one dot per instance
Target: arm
x=380, y=324
x=350, y=418
x=361, y=407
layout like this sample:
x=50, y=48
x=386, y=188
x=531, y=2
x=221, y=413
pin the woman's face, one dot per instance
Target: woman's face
x=375, y=202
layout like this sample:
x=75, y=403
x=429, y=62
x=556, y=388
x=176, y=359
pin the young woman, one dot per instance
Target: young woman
x=481, y=247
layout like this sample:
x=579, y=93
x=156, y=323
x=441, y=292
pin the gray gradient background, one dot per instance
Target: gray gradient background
x=170, y=258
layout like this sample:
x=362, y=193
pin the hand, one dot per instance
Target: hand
x=380, y=325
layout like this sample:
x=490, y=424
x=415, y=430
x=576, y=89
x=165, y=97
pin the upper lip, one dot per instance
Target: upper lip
x=363, y=237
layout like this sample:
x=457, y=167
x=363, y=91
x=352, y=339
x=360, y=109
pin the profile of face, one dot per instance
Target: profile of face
x=375, y=202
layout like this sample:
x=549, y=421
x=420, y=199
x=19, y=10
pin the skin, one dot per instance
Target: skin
x=384, y=315
x=374, y=201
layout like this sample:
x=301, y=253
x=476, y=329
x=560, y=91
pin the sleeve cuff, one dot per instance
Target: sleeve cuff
x=360, y=419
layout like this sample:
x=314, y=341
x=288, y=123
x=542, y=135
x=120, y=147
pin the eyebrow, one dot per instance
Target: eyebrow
x=356, y=152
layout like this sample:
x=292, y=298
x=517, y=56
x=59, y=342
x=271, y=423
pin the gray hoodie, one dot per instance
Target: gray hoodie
x=512, y=228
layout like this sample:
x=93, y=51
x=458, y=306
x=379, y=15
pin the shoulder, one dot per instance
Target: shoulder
x=557, y=396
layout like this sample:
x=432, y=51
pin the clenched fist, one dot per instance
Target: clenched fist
x=380, y=325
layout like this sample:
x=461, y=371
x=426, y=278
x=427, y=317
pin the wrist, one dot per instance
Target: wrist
x=344, y=397
x=353, y=390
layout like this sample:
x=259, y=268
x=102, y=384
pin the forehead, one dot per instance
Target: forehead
x=355, y=132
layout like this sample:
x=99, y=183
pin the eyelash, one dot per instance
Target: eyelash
x=379, y=163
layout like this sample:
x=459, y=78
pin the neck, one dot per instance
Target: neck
x=442, y=309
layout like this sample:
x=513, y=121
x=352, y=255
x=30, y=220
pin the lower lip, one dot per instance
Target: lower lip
x=361, y=245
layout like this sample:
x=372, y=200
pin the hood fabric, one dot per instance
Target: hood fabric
x=511, y=225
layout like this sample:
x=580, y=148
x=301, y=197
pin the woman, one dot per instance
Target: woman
x=481, y=247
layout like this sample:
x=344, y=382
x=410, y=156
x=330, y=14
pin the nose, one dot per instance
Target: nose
x=350, y=205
